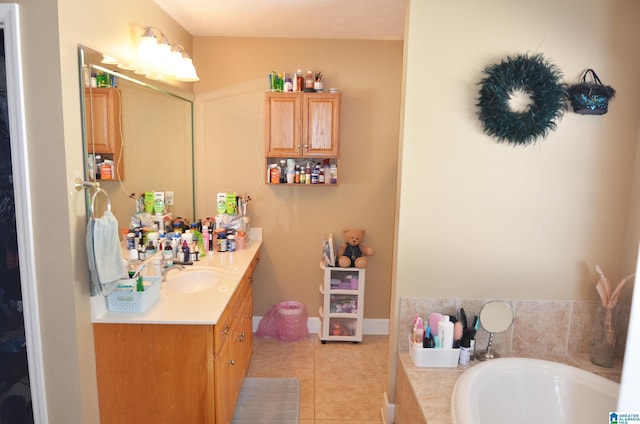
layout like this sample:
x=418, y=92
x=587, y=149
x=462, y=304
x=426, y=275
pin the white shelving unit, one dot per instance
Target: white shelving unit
x=342, y=309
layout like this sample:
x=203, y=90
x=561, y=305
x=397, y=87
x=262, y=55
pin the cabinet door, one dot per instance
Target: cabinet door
x=154, y=373
x=102, y=117
x=247, y=325
x=321, y=125
x=244, y=338
x=283, y=125
x=223, y=375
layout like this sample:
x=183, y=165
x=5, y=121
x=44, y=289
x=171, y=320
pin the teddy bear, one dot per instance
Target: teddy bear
x=352, y=253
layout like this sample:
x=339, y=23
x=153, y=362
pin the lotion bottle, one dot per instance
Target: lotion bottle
x=445, y=332
x=418, y=330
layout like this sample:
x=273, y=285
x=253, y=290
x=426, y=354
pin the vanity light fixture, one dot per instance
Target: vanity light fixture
x=109, y=60
x=159, y=59
x=183, y=65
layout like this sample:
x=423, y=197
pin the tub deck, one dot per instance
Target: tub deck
x=423, y=395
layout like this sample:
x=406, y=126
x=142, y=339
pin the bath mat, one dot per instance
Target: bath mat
x=268, y=401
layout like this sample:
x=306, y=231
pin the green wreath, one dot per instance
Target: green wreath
x=539, y=80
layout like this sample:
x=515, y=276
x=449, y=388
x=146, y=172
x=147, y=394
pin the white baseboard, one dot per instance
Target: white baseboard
x=387, y=411
x=376, y=326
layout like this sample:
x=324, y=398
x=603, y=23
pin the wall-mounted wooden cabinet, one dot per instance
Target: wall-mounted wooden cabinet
x=302, y=125
x=103, y=126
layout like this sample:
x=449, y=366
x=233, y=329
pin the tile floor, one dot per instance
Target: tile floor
x=340, y=382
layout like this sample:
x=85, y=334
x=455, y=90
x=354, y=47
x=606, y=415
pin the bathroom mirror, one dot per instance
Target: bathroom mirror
x=155, y=129
x=495, y=317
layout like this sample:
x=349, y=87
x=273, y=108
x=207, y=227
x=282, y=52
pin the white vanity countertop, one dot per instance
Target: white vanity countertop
x=203, y=307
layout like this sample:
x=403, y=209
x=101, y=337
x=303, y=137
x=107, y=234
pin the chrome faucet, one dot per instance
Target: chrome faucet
x=169, y=268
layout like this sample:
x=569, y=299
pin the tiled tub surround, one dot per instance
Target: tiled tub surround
x=554, y=330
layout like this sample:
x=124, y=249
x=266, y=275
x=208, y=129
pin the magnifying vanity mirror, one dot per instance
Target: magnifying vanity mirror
x=138, y=137
x=495, y=317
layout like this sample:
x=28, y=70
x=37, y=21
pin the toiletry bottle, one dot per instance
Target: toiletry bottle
x=445, y=332
x=457, y=334
x=167, y=254
x=308, y=81
x=175, y=244
x=472, y=349
x=140, y=284
x=205, y=237
x=185, y=251
x=300, y=79
x=465, y=351
x=428, y=339
x=131, y=241
x=98, y=163
x=283, y=172
x=303, y=176
x=231, y=243
x=151, y=249
x=434, y=319
x=418, y=330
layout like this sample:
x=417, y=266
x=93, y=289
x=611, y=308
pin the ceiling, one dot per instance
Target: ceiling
x=328, y=19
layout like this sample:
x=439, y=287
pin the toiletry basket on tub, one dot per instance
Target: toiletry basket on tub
x=433, y=357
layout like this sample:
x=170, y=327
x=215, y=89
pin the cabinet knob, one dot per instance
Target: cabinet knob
x=225, y=331
x=231, y=362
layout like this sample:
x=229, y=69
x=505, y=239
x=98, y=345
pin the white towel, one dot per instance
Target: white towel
x=103, y=239
x=95, y=287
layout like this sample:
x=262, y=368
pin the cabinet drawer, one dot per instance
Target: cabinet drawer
x=222, y=332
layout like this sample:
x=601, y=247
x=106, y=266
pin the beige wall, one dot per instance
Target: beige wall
x=51, y=31
x=230, y=157
x=487, y=220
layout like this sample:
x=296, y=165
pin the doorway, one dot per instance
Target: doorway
x=15, y=392
x=22, y=388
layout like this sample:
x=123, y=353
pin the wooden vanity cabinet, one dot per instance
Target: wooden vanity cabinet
x=302, y=125
x=231, y=361
x=103, y=126
x=153, y=373
x=170, y=373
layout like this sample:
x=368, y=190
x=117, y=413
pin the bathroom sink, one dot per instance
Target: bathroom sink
x=193, y=280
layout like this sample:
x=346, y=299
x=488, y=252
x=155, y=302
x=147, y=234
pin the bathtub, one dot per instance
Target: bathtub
x=531, y=391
